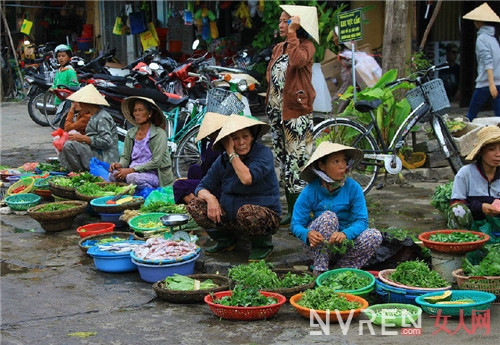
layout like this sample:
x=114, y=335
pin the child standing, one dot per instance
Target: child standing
x=66, y=74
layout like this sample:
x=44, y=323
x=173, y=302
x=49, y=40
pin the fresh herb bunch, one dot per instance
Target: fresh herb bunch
x=326, y=298
x=75, y=181
x=455, y=237
x=347, y=280
x=417, y=273
x=489, y=266
x=245, y=297
x=54, y=207
x=159, y=206
x=337, y=249
x=92, y=189
x=56, y=166
x=441, y=197
x=260, y=275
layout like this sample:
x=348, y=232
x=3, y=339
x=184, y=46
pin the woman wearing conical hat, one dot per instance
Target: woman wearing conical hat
x=290, y=97
x=332, y=209
x=477, y=185
x=145, y=161
x=488, y=60
x=249, y=204
x=100, y=139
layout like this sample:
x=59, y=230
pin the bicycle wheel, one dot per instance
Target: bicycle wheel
x=187, y=153
x=52, y=117
x=447, y=143
x=346, y=132
x=35, y=104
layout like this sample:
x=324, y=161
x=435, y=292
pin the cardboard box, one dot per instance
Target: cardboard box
x=331, y=67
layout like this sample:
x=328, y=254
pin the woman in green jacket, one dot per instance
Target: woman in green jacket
x=145, y=161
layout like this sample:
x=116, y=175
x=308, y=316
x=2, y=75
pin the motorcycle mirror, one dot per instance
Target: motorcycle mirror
x=195, y=45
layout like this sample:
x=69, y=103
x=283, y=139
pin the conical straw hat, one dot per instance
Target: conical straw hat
x=211, y=123
x=308, y=18
x=485, y=136
x=128, y=111
x=483, y=13
x=324, y=149
x=89, y=95
x=235, y=123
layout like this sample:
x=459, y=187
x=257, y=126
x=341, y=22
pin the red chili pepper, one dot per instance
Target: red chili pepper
x=18, y=189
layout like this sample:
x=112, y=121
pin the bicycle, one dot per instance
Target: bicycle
x=428, y=101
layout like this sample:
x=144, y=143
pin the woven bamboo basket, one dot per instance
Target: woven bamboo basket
x=63, y=192
x=52, y=221
x=487, y=284
x=89, y=198
x=175, y=296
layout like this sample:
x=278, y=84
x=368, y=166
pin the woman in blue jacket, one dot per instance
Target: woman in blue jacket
x=332, y=209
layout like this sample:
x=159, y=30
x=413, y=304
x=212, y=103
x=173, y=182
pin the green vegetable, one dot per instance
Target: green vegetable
x=417, y=273
x=346, y=280
x=159, y=206
x=182, y=283
x=245, y=297
x=326, y=298
x=93, y=189
x=441, y=197
x=488, y=266
x=54, y=207
x=455, y=237
x=338, y=249
x=260, y=275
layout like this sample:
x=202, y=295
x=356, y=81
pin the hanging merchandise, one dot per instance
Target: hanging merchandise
x=205, y=21
x=242, y=14
x=188, y=13
x=252, y=5
x=121, y=27
x=26, y=27
x=149, y=38
x=137, y=23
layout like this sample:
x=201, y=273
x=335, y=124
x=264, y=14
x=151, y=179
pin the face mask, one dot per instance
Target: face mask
x=332, y=184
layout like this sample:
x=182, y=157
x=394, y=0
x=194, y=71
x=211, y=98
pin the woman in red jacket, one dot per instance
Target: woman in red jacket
x=290, y=97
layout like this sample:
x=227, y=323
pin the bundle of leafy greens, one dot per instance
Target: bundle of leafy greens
x=245, y=297
x=488, y=266
x=182, y=283
x=417, y=273
x=326, y=298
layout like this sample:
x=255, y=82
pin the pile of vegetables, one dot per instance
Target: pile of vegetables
x=162, y=207
x=76, y=180
x=418, y=274
x=260, y=275
x=326, y=298
x=441, y=197
x=346, y=280
x=245, y=297
x=182, y=283
x=455, y=237
x=55, y=166
x=488, y=266
x=94, y=190
x=55, y=207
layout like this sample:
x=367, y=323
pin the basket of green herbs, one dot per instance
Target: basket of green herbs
x=65, y=187
x=93, y=190
x=324, y=300
x=453, y=241
x=57, y=216
x=263, y=276
x=348, y=280
x=414, y=275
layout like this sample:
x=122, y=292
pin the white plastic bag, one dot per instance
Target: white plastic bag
x=323, y=101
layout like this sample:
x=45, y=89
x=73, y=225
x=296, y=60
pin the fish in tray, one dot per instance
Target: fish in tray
x=157, y=248
x=120, y=247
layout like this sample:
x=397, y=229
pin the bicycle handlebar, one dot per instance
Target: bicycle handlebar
x=419, y=75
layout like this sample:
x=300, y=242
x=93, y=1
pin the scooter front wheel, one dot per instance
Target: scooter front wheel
x=35, y=106
x=53, y=114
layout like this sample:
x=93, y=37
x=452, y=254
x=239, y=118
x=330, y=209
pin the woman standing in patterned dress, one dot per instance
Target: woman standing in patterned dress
x=291, y=96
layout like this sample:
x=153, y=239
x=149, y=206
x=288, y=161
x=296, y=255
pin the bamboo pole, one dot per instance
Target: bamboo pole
x=429, y=26
x=13, y=50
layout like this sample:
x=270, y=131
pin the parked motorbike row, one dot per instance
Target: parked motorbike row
x=182, y=91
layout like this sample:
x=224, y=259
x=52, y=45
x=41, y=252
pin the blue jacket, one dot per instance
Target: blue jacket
x=264, y=190
x=348, y=203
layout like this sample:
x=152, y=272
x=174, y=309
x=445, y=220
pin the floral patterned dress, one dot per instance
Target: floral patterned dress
x=292, y=139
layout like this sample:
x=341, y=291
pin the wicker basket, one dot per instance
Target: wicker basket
x=289, y=292
x=487, y=284
x=436, y=93
x=63, y=192
x=28, y=182
x=175, y=296
x=58, y=220
x=44, y=193
x=453, y=248
x=95, y=238
x=89, y=198
x=385, y=274
x=99, y=205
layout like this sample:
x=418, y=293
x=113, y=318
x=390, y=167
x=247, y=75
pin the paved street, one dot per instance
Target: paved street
x=51, y=289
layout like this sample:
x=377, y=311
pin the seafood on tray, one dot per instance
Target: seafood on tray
x=157, y=248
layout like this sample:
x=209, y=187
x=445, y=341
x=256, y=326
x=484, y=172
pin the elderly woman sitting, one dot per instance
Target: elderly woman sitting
x=145, y=161
x=332, y=209
x=250, y=198
x=100, y=139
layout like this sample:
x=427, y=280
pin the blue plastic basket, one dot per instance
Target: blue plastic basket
x=392, y=294
x=22, y=202
x=154, y=273
x=482, y=301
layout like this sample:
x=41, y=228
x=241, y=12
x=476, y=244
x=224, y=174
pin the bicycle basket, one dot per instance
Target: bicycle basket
x=436, y=94
x=223, y=102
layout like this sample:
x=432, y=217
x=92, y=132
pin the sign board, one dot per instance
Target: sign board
x=350, y=26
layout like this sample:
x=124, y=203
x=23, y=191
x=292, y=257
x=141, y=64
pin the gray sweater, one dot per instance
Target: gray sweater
x=488, y=56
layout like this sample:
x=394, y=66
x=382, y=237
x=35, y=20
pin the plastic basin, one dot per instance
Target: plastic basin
x=153, y=273
x=95, y=229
